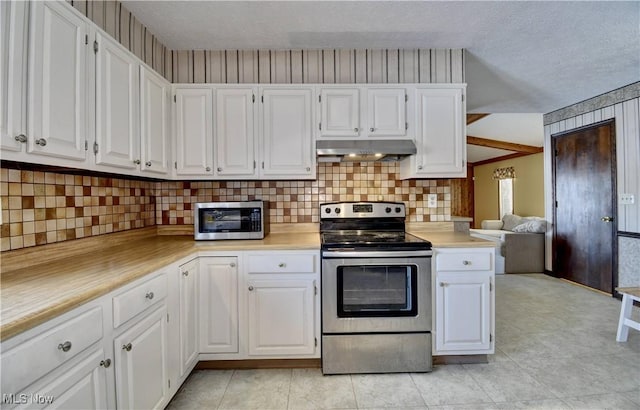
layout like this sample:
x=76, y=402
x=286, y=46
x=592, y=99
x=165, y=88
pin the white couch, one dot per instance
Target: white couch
x=519, y=243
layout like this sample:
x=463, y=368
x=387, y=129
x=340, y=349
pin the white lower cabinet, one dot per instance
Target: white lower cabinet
x=188, y=316
x=218, y=284
x=464, y=301
x=141, y=359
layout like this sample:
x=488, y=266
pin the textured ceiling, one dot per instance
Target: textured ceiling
x=521, y=56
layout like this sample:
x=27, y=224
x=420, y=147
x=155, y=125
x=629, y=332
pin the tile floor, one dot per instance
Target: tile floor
x=555, y=349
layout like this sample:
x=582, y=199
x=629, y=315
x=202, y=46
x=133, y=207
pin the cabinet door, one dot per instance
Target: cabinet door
x=188, y=316
x=340, y=116
x=57, y=106
x=218, y=305
x=117, y=118
x=194, y=132
x=235, y=133
x=386, y=112
x=141, y=363
x=463, y=312
x=154, y=122
x=281, y=317
x=81, y=386
x=287, y=138
x=13, y=79
x=441, y=133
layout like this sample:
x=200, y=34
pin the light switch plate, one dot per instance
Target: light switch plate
x=627, y=199
x=432, y=200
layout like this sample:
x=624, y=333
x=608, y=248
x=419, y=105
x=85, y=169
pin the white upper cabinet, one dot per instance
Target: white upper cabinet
x=386, y=112
x=57, y=104
x=13, y=81
x=340, y=112
x=117, y=117
x=194, y=132
x=154, y=124
x=287, y=137
x=235, y=142
x=441, y=132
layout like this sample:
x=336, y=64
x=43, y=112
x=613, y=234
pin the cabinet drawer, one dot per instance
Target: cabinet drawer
x=463, y=262
x=128, y=304
x=282, y=263
x=39, y=355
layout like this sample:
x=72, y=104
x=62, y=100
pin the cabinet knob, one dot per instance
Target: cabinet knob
x=372, y=129
x=148, y=163
x=208, y=169
x=149, y=295
x=105, y=363
x=607, y=219
x=41, y=141
x=21, y=138
x=443, y=284
x=185, y=273
x=136, y=161
x=250, y=288
x=219, y=169
x=356, y=129
x=127, y=347
x=466, y=263
x=65, y=347
x=419, y=167
x=308, y=169
x=233, y=265
x=282, y=265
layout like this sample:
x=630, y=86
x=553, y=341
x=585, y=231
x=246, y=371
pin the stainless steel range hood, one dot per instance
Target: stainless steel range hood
x=363, y=150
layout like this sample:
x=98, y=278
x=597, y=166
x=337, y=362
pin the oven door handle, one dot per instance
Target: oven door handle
x=376, y=254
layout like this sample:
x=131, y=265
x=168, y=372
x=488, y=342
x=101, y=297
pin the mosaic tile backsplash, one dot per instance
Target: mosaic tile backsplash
x=46, y=207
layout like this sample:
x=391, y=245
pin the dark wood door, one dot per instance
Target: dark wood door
x=585, y=213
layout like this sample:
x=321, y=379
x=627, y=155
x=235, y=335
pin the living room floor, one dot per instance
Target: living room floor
x=555, y=349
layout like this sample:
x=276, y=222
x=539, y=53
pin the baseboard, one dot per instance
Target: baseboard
x=259, y=364
x=550, y=273
x=461, y=359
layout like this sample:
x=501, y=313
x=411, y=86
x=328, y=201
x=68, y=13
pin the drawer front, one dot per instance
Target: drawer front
x=36, y=357
x=463, y=262
x=282, y=263
x=130, y=303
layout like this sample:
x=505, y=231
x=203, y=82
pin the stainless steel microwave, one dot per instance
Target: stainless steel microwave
x=231, y=220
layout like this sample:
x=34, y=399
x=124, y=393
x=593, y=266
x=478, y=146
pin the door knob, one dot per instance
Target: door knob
x=127, y=347
x=136, y=161
x=65, y=347
x=607, y=219
x=21, y=138
x=372, y=129
x=41, y=141
x=148, y=163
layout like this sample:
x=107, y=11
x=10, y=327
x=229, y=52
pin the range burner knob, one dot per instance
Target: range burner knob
x=387, y=210
x=337, y=210
x=327, y=210
x=398, y=209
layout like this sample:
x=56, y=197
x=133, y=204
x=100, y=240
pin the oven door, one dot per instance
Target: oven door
x=376, y=292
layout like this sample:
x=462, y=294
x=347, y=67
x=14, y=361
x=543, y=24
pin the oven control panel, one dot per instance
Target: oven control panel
x=362, y=210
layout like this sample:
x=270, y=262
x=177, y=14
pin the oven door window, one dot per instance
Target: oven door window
x=377, y=291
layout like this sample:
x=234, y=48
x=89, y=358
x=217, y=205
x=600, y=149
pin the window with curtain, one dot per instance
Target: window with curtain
x=505, y=177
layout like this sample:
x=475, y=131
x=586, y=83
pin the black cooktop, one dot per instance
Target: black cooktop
x=373, y=239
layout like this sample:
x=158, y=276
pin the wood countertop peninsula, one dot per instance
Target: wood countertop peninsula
x=40, y=283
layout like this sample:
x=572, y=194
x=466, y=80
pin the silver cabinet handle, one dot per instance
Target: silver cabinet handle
x=136, y=161
x=282, y=265
x=233, y=265
x=65, y=347
x=105, y=363
x=127, y=347
x=41, y=141
x=21, y=138
x=371, y=129
x=148, y=163
x=466, y=262
x=207, y=169
x=419, y=167
x=250, y=288
x=185, y=273
x=219, y=169
x=356, y=129
x=149, y=295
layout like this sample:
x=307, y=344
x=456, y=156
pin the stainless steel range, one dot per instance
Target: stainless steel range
x=376, y=290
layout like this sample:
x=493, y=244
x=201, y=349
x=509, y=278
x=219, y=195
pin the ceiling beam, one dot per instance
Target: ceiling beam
x=471, y=118
x=509, y=146
x=497, y=159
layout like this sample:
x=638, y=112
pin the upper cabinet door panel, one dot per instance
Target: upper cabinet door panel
x=287, y=138
x=340, y=116
x=13, y=79
x=194, y=131
x=386, y=114
x=57, y=77
x=235, y=133
x=154, y=124
x=117, y=132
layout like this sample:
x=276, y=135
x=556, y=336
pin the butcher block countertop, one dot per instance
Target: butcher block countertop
x=40, y=283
